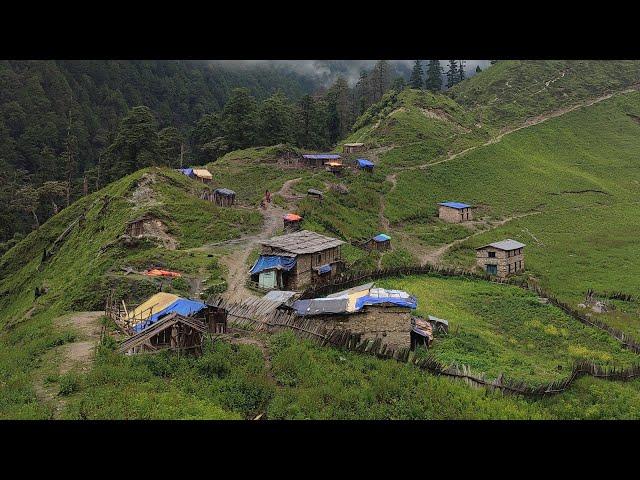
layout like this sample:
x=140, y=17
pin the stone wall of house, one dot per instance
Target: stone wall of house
x=454, y=215
x=508, y=262
x=392, y=324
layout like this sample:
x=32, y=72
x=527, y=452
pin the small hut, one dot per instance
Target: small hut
x=319, y=159
x=352, y=148
x=292, y=222
x=172, y=332
x=188, y=172
x=421, y=333
x=380, y=242
x=203, y=175
x=224, y=197
x=364, y=164
x=315, y=193
x=334, y=167
x=135, y=228
x=454, y=212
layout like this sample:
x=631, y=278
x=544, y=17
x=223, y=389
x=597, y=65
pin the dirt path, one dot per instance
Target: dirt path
x=236, y=261
x=70, y=356
x=528, y=123
x=433, y=257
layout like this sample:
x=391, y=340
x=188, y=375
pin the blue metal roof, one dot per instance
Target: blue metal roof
x=322, y=156
x=363, y=162
x=182, y=306
x=381, y=237
x=273, y=262
x=455, y=205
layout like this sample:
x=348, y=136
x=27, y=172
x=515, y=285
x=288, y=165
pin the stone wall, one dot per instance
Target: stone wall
x=508, y=262
x=392, y=324
x=454, y=215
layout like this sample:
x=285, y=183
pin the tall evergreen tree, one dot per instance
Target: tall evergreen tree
x=239, y=119
x=453, y=76
x=461, y=72
x=433, y=82
x=415, y=81
x=380, y=79
x=275, y=121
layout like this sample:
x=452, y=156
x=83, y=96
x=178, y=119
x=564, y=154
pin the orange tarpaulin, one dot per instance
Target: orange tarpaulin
x=292, y=217
x=156, y=272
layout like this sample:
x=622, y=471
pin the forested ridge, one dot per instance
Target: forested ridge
x=68, y=128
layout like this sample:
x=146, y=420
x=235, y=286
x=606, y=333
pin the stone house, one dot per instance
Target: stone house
x=501, y=258
x=320, y=159
x=372, y=312
x=297, y=260
x=454, y=212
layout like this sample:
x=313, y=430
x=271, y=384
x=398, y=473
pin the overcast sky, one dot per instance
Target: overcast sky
x=326, y=71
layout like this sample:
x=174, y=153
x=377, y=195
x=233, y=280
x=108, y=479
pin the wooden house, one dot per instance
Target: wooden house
x=172, y=332
x=319, y=159
x=292, y=222
x=501, y=258
x=349, y=148
x=223, y=197
x=135, y=228
x=454, y=212
x=203, y=175
x=297, y=260
x=380, y=242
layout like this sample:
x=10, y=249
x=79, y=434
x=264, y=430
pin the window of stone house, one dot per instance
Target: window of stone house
x=492, y=254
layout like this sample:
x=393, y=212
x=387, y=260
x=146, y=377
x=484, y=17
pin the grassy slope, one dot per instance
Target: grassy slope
x=76, y=276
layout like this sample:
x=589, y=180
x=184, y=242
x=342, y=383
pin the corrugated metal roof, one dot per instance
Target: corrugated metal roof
x=353, y=144
x=381, y=237
x=322, y=156
x=507, y=244
x=281, y=296
x=302, y=242
x=313, y=191
x=457, y=205
x=321, y=306
x=225, y=191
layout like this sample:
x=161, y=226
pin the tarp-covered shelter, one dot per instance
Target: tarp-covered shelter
x=365, y=164
x=203, y=175
x=380, y=242
x=269, y=269
x=312, y=192
x=292, y=222
x=188, y=172
x=160, y=305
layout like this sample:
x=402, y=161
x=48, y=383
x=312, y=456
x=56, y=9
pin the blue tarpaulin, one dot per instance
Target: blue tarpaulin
x=381, y=237
x=324, y=269
x=364, y=163
x=456, y=205
x=182, y=306
x=410, y=302
x=271, y=262
x=187, y=171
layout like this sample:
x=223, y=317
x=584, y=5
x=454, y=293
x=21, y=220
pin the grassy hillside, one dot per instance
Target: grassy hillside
x=88, y=264
x=513, y=90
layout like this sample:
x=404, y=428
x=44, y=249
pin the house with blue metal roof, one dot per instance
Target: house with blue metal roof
x=320, y=159
x=454, y=212
x=380, y=242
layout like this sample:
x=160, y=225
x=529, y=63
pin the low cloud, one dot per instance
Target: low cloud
x=325, y=72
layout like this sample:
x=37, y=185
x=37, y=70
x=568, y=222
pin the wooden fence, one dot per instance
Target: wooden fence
x=352, y=280
x=257, y=316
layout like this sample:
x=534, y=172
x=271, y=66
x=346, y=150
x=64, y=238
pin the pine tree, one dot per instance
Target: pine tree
x=453, y=76
x=461, y=73
x=433, y=82
x=415, y=81
x=239, y=119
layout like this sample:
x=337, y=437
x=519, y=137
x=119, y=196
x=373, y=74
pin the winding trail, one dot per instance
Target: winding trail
x=236, y=261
